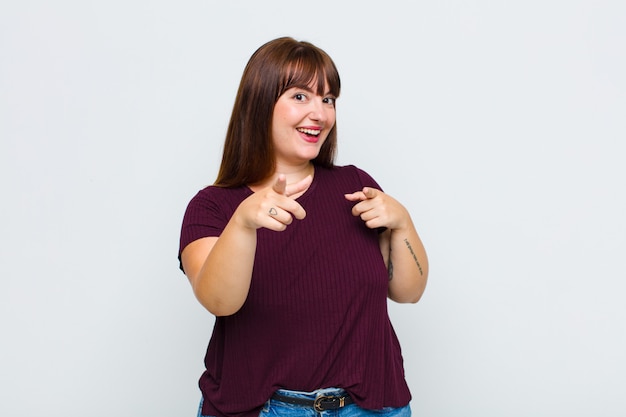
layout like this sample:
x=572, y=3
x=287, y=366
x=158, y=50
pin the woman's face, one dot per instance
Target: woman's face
x=301, y=122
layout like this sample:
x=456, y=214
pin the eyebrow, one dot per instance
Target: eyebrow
x=308, y=89
x=303, y=87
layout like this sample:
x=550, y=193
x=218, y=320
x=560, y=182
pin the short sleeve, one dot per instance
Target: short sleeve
x=367, y=180
x=206, y=216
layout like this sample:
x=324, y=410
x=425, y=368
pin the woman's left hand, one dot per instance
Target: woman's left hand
x=400, y=245
x=378, y=209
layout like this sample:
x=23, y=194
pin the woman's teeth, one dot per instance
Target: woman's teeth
x=311, y=132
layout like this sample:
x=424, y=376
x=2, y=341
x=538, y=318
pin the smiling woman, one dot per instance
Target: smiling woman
x=273, y=69
x=285, y=240
x=301, y=123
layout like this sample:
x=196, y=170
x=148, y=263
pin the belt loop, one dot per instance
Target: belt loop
x=266, y=406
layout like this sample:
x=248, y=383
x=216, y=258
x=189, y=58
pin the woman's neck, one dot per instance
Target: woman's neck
x=293, y=174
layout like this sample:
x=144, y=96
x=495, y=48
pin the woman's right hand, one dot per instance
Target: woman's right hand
x=273, y=207
x=220, y=284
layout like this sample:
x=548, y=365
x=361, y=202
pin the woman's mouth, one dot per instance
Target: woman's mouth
x=310, y=135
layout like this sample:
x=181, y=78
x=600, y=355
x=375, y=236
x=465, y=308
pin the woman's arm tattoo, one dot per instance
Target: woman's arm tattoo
x=408, y=245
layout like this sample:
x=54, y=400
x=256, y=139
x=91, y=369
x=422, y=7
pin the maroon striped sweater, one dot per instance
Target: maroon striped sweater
x=316, y=313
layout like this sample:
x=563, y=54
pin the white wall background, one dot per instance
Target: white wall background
x=500, y=125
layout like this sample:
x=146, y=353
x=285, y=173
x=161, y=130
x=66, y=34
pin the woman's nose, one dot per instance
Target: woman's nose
x=317, y=111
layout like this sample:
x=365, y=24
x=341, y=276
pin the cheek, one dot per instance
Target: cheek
x=280, y=122
x=331, y=119
x=331, y=113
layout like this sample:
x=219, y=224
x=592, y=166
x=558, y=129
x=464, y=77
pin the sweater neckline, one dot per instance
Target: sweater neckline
x=316, y=172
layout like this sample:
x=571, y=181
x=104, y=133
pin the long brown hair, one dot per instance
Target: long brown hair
x=275, y=67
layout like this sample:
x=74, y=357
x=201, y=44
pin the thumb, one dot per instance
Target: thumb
x=370, y=192
x=280, y=185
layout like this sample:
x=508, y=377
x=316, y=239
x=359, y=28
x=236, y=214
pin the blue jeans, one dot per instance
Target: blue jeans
x=274, y=408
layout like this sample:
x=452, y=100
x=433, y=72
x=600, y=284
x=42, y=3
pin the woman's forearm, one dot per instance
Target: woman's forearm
x=223, y=282
x=408, y=266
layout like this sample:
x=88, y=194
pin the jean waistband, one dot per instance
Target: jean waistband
x=320, y=400
x=331, y=392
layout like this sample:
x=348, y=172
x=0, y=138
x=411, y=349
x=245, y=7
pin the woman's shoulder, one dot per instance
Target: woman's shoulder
x=346, y=170
x=213, y=195
x=351, y=172
x=215, y=190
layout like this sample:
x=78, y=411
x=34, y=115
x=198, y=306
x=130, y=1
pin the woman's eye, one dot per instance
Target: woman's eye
x=300, y=97
x=330, y=100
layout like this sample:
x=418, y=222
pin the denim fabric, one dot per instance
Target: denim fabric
x=275, y=408
x=200, y=408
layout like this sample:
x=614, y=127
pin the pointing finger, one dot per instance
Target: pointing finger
x=358, y=196
x=298, y=187
x=366, y=194
x=280, y=185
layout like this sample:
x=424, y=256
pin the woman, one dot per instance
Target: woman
x=296, y=256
